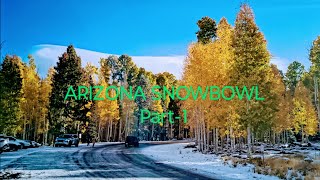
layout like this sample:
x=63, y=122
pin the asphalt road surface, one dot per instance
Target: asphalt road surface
x=100, y=162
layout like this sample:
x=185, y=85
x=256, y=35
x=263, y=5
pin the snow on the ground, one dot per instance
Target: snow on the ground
x=51, y=165
x=206, y=164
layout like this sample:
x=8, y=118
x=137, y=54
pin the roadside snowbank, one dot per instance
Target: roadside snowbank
x=206, y=164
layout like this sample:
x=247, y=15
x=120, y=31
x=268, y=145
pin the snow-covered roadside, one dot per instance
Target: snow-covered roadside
x=8, y=158
x=206, y=164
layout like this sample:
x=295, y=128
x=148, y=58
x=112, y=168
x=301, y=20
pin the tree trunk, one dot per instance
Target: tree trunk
x=115, y=132
x=152, y=130
x=217, y=139
x=171, y=130
x=249, y=141
x=127, y=122
x=99, y=131
x=197, y=133
x=204, y=135
x=302, y=134
x=120, y=127
x=35, y=130
x=316, y=99
x=107, y=132
x=24, y=127
x=214, y=139
x=273, y=137
x=111, y=129
x=208, y=139
x=232, y=139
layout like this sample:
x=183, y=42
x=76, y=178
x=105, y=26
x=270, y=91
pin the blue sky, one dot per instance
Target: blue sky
x=150, y=28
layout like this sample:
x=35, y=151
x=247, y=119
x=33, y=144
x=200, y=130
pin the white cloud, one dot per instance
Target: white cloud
x=281, y=63
x=47, y=56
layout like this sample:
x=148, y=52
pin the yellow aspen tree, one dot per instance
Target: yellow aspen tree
x=304, y=114
x=29, y=106
x=44, y=94
x=281, y=121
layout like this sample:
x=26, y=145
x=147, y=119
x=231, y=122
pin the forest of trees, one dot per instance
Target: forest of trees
x=34, y=108
x=238, y=56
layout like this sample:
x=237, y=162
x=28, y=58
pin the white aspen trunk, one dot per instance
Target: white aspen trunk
x=222, y=141
x=197, y=132
x=253, y=138
x=44, y=130
x=214, y=139
x=115, y=131
x=24, y=127
x=99, y=131
x=217, y=137
x=249, y=141
x=111, y=128
x=217, y=140
x=120, y=127
x=204, y=136
x=107, y=131
x=35, y=130
x=208, y=139
x=302, y=134
x=200, y=138
x=228, y=140
x=126, y=129
x=232, y=139
x=198, y=135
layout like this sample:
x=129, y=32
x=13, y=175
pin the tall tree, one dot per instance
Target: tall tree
x=44, y=95
x=304, y=115
x=314, y=56
x=143, y=102
x=207, y=30
x=68, y=72
x=213, y=60
x=127, y=75
x=10, y=94
x=315, y=73
x=107, y=111
x=29, y=106
x=88, y=119
x=251, y=67
x=293, y=75
x=282, y=119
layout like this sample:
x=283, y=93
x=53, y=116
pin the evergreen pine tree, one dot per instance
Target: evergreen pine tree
x=207, y=30
x=251, y=68
x=10, y=94
x=68, y=72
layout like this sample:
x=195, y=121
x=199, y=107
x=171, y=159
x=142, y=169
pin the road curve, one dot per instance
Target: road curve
x=101, y=162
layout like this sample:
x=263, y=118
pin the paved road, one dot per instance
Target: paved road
x=104, y=161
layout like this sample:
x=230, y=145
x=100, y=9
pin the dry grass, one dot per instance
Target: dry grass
x=281, y=165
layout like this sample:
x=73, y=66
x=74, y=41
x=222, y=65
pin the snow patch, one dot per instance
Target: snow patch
x=205, y=164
